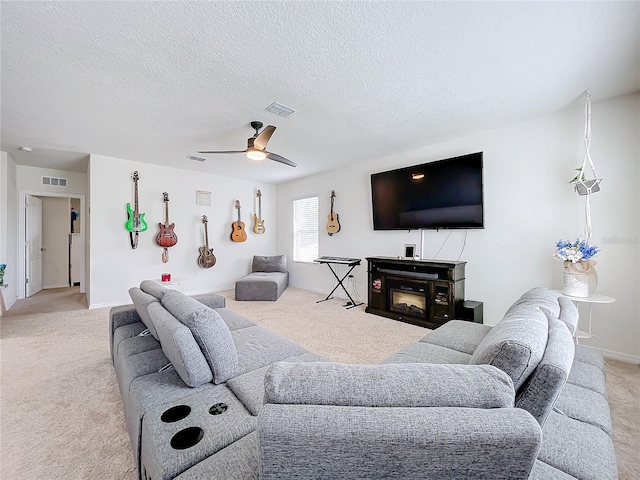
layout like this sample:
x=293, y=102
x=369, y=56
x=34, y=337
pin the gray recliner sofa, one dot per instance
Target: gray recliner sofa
x=518, y=400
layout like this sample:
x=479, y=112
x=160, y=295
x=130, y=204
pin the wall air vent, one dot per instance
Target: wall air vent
x=54, y=182
x=197, y=159
x=280, y=109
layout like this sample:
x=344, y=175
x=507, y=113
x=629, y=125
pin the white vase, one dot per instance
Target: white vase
x=580, y=278
x=575, y=284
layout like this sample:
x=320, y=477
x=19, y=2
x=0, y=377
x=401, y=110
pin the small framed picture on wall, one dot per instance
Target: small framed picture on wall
x=409, y=251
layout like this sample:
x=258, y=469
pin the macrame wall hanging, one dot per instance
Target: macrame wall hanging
x=585, y=187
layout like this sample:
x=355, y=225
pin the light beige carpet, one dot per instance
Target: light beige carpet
x=61, y=415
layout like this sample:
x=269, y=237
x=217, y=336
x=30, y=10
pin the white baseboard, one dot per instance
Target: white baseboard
x=623, y=357
x=63, y=285
x=93, y=306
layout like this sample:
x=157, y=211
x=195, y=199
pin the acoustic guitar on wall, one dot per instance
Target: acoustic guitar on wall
x=333, y=224
x=206, y=259
x=166, y=237
x=238, y=234
x=258, y=223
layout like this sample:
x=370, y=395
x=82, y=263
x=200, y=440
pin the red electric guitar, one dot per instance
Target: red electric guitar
x=166, y=237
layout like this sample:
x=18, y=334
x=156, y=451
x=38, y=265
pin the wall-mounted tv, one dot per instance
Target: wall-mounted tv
x=442, y=194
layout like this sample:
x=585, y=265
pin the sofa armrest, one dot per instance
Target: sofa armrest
x=211, y=300
x=120, y=316
x=337, y=442
x=393, y=385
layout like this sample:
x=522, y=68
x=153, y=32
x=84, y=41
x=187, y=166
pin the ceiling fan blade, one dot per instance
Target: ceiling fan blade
x=278, y=158
x=227, y=151
x=261, y=140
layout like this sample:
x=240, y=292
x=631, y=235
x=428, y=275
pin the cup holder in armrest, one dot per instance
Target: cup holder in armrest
x=175, y=413
x=187, y=438
x=218, y=409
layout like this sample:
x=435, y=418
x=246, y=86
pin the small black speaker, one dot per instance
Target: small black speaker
x=471, y=310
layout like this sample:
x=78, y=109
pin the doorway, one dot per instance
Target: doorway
x=53, y=230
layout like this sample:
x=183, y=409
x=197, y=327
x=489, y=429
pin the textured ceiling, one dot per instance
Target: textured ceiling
x=157, y=81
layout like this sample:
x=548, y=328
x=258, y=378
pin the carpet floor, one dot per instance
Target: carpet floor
x=60, y=409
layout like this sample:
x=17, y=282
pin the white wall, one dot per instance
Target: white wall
x=529, y=205
x=29, y=181
x=30, y=178
x=115, y=266
x=8, y=227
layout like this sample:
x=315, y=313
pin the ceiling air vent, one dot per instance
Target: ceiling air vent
x=54, y=182
x=197, y=159
x=280, y=109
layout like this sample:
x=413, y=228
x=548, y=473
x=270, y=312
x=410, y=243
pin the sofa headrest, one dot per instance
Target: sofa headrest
x=141, y=301
x=540, y=391
x=568, y=314
x=400, y=385
x=180, y=347
x=271, y=263
x=210, y=332
x=153, y=288
x=517, y=343
x=541, y=297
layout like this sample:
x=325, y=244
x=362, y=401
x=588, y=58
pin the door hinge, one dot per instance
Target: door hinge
x=26, y=281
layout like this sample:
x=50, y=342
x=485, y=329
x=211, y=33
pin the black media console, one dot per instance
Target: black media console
x=428, y=293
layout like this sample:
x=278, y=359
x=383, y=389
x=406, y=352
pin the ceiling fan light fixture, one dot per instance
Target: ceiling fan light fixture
x=255, y=154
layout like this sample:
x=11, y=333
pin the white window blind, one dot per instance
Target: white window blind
x=305, y=229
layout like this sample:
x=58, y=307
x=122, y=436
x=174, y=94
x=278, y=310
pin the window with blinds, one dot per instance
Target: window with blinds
x=305, y=229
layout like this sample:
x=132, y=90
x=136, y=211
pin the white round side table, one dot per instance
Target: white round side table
x=590, y=300
x=173, y=283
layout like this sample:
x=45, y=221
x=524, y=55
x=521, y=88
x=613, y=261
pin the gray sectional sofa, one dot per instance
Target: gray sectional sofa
x=209, y=394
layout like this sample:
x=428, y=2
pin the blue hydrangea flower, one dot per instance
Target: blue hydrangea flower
x=574, y=252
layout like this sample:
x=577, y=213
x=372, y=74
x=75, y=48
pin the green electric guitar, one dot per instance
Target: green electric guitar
x=135, y=223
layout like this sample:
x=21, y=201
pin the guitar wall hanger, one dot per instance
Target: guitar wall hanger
x=135, y=220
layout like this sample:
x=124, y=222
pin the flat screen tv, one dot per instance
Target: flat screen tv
x=442, y=194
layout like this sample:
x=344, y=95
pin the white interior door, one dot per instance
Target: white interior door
x=55, y=242
x=33, y=245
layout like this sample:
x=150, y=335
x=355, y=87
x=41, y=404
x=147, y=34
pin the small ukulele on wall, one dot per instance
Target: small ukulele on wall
x=206, y=259
x=238, y=234
x=333, y=224
x=258, y=223
x=135, y=223
x=166, y=237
